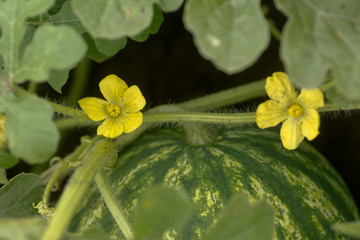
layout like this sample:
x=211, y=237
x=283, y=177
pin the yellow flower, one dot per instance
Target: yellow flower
x=121, y=110
x=301, y=118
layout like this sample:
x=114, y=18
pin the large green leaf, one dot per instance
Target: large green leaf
x=58, y=78
x=341, y=100
x=89, y=234
x=3, y=178
x=7, y=160
x=349, y=228
x=53, y=47
x=65, y=16
x=22, y=228
x=18, y=195
x=241, y=220
x=169, y=5
x=321, y=36
x=230, y=33
x=159, y=210
x=158, y=18
x=114, y=19
x=12, y=17
x=110, y=47
x=32, y=134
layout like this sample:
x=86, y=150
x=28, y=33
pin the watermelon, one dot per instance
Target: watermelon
x=307, y=193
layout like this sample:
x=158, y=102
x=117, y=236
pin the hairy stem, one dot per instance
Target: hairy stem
x=100, y=152
x=113, y=204
x=68, y=111
x=215, y=118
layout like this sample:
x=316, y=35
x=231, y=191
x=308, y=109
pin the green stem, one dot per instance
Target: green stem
x=154, y=117
x=75, y=190
x=215, y=118
x=32, y=87
x=68, y=111
x=84, y=147
x=113, y=205
x=57, y=107
x=275, y=32
x=78, y=85
x=53, y=179
x=331, y=107
x=65, y=123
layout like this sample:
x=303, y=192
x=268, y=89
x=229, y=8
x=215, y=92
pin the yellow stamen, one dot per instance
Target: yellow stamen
x=295, y=110
x=113, y=110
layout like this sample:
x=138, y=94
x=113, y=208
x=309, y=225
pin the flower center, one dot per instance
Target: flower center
x=113, y=110
x=295, y=110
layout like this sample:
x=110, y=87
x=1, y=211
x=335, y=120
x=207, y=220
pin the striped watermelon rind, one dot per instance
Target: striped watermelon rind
x=306, y=191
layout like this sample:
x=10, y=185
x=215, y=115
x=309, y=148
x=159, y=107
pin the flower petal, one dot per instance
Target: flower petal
x=279, y=88
x=311, y=98
x=113, y=88
x=111, y=128
x=132, y=121
x=95, y=108
x=133, y=100
x=290, y=133
x=270, y=113
x=311, y=124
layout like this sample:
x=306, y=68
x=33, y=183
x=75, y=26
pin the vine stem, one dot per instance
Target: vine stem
x=71, y=112
x=215, y=118
x=102, y=151
x=153, y=117
x=113, y=204
x=78, y=85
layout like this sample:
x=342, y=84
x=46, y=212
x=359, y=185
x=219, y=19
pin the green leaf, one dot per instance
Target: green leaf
x=18, y=195
x=113, y=19
x=63, y=16
x=231, y=34
x=32, y=134
x=341, y=100
x=57, y=6
x=241, y=220
x=320, y=36
x=169, y=5
x=12, y=17
x=58, y=78
x=7, y=160
x=110, y=47
x=3, y=178
x=154, y=27
x=89, y=234
x=53, y=47
x=101, y=50
x=22, y=228
x=159, y=210
x=350, y=228
x=66, y=17
x=93, y=52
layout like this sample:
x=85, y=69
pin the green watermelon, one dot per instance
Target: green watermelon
x=306, y=191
